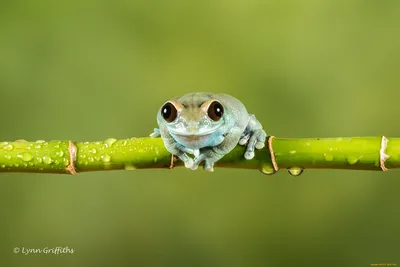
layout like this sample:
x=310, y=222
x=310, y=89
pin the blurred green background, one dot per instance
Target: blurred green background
x=88, y=70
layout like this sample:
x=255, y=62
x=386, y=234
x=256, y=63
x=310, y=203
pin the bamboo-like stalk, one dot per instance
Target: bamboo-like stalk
x=356, y=153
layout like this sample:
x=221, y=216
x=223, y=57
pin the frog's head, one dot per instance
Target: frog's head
x=193, y=119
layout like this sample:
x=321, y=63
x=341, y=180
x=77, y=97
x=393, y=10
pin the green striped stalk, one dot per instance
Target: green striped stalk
x=355, y=153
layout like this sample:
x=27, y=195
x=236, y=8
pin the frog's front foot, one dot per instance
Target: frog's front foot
x=156, y=133
x=188, y=161
x=208, y=162
x=256, y=140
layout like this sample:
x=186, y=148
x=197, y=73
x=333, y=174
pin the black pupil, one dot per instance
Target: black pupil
x=218, y=110
x=166, y=112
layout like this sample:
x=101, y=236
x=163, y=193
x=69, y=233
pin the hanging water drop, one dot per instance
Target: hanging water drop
x=267, y=170
x=129, y=167
x=295, y=171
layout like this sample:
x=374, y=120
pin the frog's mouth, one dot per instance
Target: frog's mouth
x=194, y=134
x=188, y=137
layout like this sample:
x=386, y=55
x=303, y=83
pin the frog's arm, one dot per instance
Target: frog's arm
x=172, y=146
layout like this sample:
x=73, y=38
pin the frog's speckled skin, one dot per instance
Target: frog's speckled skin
x=194, y=132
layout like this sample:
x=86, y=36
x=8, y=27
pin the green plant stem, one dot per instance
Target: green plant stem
x=357, y=153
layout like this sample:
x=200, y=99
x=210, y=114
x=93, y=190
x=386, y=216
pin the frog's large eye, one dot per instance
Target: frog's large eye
x=169, y=112
x=215, y=111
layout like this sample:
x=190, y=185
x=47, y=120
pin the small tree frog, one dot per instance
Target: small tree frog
x=208, y=126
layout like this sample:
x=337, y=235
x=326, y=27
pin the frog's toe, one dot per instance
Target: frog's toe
x=260, y=145
x=189, y=163
x=208, y=166
x=243, y=140
x=249, y=154
x=197, y=161
x=156, y=133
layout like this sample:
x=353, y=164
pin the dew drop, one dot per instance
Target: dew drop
x=292, y=151
x=16, y=165
x=3, y=166
x=4, y=143
x=8, y=147
x=39, y=159
x=97, y=143
x=7, y=156
x=93, y=151
x=352, y=160
x=40, y=141
x=83, y=156
x=56, y=146
x=20, y=140
x=105, y=158
x=47, y=160
x=56, y=162
x=38, y=146
x=328, y=157
x=267, y=170
x=129, y=167
x=91, y=159
x=59, y=153
x=25, y=156
x=295, y=171
x=124, y=143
